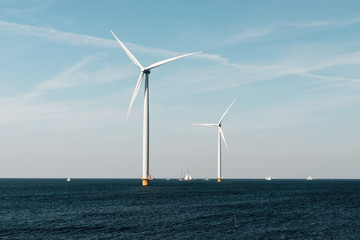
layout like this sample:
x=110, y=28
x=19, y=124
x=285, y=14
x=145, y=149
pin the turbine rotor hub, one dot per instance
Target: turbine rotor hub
x=146, y=71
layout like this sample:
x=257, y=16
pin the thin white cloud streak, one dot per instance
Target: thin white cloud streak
x=262, y=33
x=310, y=24
x=300, y=67
x=229, y=75
x=68, y=78
x=323, y=23
x=335, y=82
x=333, y=79
x=248, y=73
x=55, y=35
x=76, y=39
x=248, y=34
x=82, y=39
x=80, y=74
x=339, y=60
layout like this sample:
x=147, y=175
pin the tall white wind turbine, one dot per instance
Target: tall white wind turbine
x=145, y=70
x=220, y=135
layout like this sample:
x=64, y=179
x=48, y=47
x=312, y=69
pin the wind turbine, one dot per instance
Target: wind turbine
x=145, y=70
x=220, y=135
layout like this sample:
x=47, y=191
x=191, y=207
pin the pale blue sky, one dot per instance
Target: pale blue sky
x=65, y=86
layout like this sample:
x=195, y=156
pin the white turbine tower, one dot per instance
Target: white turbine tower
x=145, y=70
x=220, y=135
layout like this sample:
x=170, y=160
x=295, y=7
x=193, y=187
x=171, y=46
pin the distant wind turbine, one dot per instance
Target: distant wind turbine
x=220, y=133
x=145, y=173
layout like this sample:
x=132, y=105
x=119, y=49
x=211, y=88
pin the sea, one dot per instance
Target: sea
x=171, y=209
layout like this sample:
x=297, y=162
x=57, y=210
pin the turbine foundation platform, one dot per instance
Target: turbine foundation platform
x=145, y=182
x=219, y=179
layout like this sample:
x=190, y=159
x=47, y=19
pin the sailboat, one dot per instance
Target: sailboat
x=268, y=178
x=309, y=178
x=68, y=179
x=187, y=177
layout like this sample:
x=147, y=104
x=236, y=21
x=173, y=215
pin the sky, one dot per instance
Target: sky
x=66, y=85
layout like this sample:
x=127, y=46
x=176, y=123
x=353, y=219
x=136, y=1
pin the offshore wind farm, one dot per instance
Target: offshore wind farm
x=298, y=99
x=75, y=165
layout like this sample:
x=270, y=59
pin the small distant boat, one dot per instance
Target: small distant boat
x=187, y=177
x=309, y=178
x=68, y=179
x=268, y=178
x=206, y=179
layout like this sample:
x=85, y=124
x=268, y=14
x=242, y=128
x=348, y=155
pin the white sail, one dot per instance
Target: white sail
x=188, y=177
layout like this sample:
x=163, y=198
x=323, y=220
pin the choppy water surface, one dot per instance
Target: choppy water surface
x=122, y=209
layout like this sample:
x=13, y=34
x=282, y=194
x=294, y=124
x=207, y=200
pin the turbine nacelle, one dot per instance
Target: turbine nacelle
x=218, y=125
x=143, y=70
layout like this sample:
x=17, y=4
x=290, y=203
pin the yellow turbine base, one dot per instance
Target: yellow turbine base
x=219, y=179
x=145, y=182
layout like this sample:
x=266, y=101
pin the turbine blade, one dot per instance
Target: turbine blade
x=205, y=124
x=168, y=60
x=223, y=137
x=128, y=52
x=226, y=112
x=138, y=84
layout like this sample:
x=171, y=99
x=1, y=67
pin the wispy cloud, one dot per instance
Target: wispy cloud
x=82, y=39
x=342, y=22
x=308, y=24
x=247, y=34
x=338, y=60
x=269, y=31
x=81, y=73
x=248, y=73
x=69, y=77
x=55, y=35
x=78, y=74
x=227, y=74
x=333, y=79
x=86, y=72
x=301, y=67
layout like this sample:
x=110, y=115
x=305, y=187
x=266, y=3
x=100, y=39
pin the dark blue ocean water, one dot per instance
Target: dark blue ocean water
x=122, y=209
